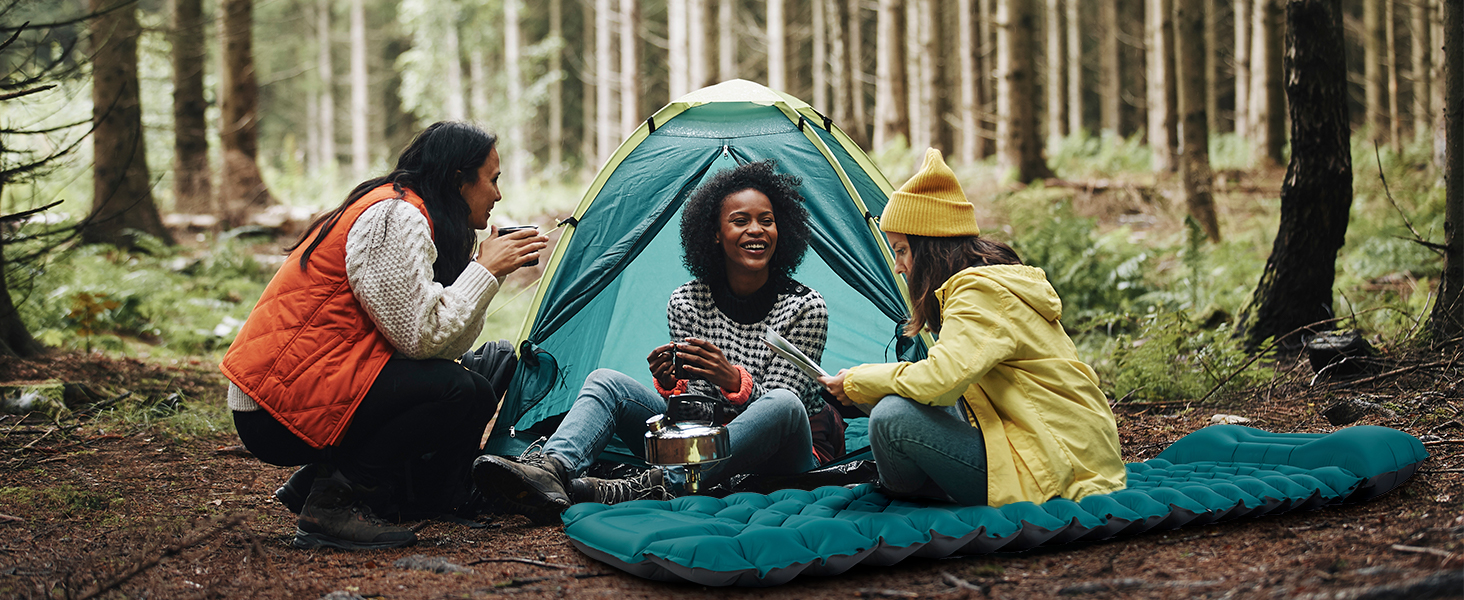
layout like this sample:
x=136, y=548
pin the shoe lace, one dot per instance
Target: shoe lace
x=367, y=515
x=615, y=491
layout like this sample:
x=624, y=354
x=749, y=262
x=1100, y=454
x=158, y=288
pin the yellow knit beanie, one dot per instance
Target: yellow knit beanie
x=931, y=203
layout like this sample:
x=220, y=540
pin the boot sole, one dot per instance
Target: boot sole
x=304, y=540
x=523, y=495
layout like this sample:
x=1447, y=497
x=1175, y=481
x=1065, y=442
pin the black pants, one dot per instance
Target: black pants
x=414, y=409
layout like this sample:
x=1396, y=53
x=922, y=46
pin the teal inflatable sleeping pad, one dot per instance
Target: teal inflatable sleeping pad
x=1218, y=473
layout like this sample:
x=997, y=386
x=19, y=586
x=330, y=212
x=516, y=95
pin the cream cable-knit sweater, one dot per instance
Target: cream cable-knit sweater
x=389, y=256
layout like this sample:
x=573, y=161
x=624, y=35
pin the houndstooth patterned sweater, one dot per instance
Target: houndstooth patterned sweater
x=389, y=256
x=736, y=326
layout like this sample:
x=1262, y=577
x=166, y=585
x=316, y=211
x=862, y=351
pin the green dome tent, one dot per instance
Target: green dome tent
x=602, y=300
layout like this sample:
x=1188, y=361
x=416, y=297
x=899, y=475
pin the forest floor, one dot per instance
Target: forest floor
x=91, y=507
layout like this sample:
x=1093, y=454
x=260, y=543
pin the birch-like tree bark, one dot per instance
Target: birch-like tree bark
x=777, y=46
x=1242, y=67
x=606, y=133
x=452, y=72
x=679, y=77
x=835, y=15
x=325, y=70
x=1390, y=60
x=1421, y=55
x=630, y=67
x=1162, y=86
x=556, y=87
x=360, y=85
x=726, y=40
x=1212, y=68
x=891, y=105
x=1110, y=77
x=1194, y=163
x=857, y=125
x=192, y=183
x=931, y=108
x=515, y=160
x=1075, y=66
x=1268, y=103
x=700, y=69
x=1374, y=69
x=970, y=130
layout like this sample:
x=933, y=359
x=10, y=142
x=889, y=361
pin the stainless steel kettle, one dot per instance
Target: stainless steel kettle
x=693, y=445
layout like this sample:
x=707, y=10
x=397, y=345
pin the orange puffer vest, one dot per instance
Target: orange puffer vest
x=309, y=352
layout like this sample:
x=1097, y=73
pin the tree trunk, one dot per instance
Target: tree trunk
x=1162, y=86
x=1110, y=78
x=1447, y=319
x=1055, y=32
x=1212, y=69
x=891, y=105
x=726, y=40
x=1374, y=68
x=966, y=47
x=931, y=107
x=630, y=71
x=1194, y=164
x=1295, y=290
x=1440, y=89
x=122, y=192
x=242, y=192
x=515, y=153
x=857, y=125
x=606, y=135
x=835, y=16
x=820, y=68
x=1242, y=67
x=478, y=104
x=1390, y=58
x=192, y=184
x=590, y=87
x=678, y=64
x=915, y=100
x=1268, y=104
x=985, y=79
x=360, y=109
x=1017, y=141
x=1075, y=67
x=15, y=337
x=325, y=71
x=1421, y=54
x=777, y=46
x=696, y=44
x=452, y=85
x=556, y=88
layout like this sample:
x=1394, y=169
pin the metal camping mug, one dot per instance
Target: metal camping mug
x=506, y=230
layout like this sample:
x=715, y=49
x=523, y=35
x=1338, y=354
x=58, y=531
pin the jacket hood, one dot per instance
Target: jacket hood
x=1029, y=284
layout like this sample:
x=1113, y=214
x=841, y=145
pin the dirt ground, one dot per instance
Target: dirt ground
x=130, y=511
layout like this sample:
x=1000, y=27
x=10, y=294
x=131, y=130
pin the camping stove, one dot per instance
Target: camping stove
x=693, y=445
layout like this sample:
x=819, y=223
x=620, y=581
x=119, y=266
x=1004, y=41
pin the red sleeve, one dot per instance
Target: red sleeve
x=744, y=389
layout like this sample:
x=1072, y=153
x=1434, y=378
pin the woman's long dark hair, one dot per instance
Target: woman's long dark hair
x=933, y=260
x=435, y=165
x=702, y=219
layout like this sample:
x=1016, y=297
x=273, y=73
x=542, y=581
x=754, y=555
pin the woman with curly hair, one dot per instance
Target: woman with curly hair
x=744, y=233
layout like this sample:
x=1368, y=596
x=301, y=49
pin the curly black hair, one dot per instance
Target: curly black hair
x=701, y=220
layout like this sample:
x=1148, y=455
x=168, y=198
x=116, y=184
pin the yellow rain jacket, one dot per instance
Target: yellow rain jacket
x=1048, y=429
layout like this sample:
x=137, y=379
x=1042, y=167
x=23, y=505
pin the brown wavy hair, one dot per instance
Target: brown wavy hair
x=933, y=260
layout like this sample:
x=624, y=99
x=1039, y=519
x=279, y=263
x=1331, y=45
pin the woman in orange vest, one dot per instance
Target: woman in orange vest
x=346, y=363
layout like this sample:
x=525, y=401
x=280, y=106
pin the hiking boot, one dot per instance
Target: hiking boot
x=533, y=483
x=650, y=485
x=293, y=493
x=335, y=517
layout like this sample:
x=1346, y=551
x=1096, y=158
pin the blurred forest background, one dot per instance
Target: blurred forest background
x=159, y=153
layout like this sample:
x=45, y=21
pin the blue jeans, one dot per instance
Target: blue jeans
x=926, y=450
x=771, y=436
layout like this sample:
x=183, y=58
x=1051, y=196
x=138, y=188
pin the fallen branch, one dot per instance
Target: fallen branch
x=9, y=519
x=1094, y=587
x=527, y=561
x=1437, y=442
x=1389, y=373
x=873, y=593
x=222, y=525
x=1423, y=550
x=961, y=583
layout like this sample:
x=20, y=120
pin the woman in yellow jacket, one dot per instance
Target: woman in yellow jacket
x=1001, y=410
